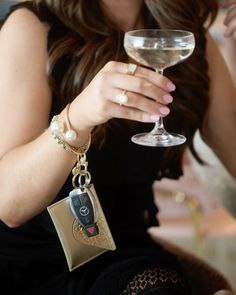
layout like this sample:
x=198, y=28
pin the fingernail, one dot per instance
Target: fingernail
x=168, y=98
x=154, y=118
x=164, y=110
x=170, y=86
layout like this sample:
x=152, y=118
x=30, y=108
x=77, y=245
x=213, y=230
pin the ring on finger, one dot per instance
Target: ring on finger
x=121, y=98
x=131, y=69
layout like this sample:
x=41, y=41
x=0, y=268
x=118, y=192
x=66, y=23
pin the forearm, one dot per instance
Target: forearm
x=220, y=135
x=229, y=52
x=31, y=177
x=220, y=120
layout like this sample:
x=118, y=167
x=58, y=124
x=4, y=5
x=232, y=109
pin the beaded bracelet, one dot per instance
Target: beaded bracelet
x=58, y=131
x=78, y=150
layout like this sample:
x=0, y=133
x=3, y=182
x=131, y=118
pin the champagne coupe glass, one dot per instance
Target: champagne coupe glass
x=159, y=49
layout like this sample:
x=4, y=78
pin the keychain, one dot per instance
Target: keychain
x=81, y=200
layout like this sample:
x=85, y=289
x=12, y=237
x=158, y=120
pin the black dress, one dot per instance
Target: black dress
x=31, y=257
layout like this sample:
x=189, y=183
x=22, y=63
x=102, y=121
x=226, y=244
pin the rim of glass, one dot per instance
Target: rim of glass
x=187, y=34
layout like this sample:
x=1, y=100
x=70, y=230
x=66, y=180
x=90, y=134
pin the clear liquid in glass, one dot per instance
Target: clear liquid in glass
x=159, y=49
x=159, y=58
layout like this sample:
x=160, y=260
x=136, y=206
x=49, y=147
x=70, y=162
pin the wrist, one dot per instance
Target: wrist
x=75, y=132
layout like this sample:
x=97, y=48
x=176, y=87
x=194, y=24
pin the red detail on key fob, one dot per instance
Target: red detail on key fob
x=90, y=229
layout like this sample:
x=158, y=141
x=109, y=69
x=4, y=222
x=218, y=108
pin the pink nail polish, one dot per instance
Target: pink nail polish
x=164, y=110
x=168, y=98
x=171, y=86
x=154, y=118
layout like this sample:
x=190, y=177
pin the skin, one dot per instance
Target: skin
x=221, y=117
x=230, y=35
x=230, y=20
x=32, y=165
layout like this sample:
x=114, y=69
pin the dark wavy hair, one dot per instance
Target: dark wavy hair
x=82, y=40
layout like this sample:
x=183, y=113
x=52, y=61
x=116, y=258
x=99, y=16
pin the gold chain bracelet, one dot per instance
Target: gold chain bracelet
x=57, y=130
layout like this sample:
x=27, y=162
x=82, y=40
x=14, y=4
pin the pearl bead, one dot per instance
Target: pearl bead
x=57, y=127
x=70, y=135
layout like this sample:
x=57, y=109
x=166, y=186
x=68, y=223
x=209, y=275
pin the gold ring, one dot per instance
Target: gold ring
x=131, y=69
x=121, y=98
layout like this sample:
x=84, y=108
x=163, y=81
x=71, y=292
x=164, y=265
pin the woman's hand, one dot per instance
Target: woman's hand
x=148, y=96
x=230, y=19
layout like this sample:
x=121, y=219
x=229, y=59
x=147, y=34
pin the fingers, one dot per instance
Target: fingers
x=230, y=15
x=231, y=29
x=142, y=87
x=129, y=113
x=142, y=103
x=227, y=3
x=151, y=76
x=230, y=19
x=113, y=93
x=147, y=91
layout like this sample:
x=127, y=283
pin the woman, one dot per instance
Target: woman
x=80, y=45
x=229, y=39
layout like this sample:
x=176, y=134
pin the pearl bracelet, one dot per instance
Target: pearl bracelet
x=65, y=136
x=70, y=134
x=58, y=128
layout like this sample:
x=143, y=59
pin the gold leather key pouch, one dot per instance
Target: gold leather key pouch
x=80, y=222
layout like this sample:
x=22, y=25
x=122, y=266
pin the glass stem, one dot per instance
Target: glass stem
x=159, y=127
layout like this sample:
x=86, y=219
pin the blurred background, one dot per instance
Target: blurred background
x=198, y=212
x=4, y=5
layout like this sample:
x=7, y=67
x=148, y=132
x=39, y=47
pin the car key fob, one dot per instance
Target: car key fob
x=84, y=210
